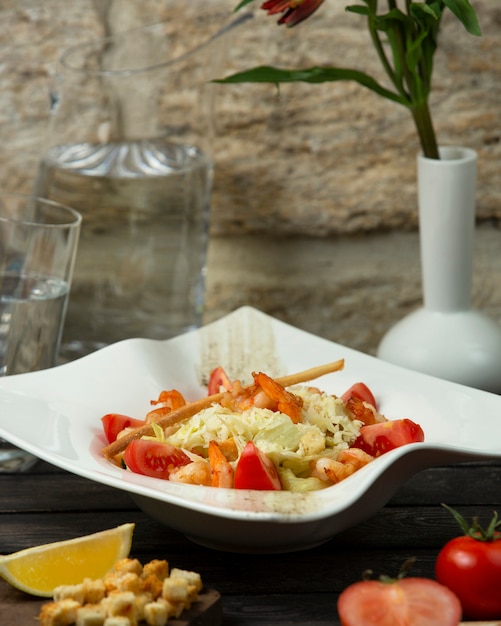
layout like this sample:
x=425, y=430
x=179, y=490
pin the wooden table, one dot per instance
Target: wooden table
x=48, y=504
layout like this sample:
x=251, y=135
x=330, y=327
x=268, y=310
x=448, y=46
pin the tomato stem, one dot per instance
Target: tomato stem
x=404, y=570
x=475, y=531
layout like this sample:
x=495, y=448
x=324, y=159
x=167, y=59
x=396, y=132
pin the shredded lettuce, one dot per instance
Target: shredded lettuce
x=291, y=482
x=326, y=429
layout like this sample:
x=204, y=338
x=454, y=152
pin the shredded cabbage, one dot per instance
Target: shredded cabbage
x=326, y=428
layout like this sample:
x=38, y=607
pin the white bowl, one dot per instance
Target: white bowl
x=55, y=414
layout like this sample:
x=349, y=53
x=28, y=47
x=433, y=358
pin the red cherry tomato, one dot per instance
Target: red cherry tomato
x=255, y=470
x=360, y=391
x=406, y=602
x=471, y=567
x=218, y=379
x=376, y=439
x=114, y=423
x=153, y=458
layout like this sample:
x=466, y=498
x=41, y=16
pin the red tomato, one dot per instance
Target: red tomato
x=376, y=439
x=404, y=602
x=218, y=379
x=153, y=458
x=471, y=567
x=255, y=470
x=114, y=423
x=360, y=391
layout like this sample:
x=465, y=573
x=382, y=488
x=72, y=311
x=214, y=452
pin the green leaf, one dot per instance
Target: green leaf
x=357, y=8
x=267, y=74
x=242, y=4
x=465, y=13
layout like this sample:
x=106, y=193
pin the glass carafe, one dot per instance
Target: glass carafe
x=130, y=147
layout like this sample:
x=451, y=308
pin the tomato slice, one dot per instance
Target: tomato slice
x=153, y=458
x=406, y=602
x=255, y=470
x=218, y=379
x=114, y=423
x=360, y=391
x=376, y=439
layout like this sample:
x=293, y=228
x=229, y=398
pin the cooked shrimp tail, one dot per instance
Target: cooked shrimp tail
x=346, y=464
x=222, y=472
x=286, y=402
x=167, y=401
x=196, y=473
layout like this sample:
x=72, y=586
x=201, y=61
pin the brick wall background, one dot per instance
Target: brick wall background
x=319, y=160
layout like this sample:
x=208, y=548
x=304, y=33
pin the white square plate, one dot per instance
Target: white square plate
x=55, y=414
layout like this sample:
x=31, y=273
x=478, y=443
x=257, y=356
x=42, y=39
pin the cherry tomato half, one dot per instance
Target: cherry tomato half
x=407, y=602
x=376, y=439
x=360, y=391
x=114, y=423
x=472, y=569
x=153, y=458
x=255, y=470
x=218, y=379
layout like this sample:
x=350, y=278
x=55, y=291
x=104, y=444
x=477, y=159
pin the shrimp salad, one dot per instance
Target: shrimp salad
x=262, y=436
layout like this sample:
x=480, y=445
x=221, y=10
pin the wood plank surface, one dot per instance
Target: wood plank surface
x=296, y=588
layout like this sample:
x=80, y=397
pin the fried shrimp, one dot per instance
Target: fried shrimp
x=347, y=463
x=363, y=411
x=221, y=470
x=286, y=402
x=265, y=393
x=195, y=473
x=167, y=402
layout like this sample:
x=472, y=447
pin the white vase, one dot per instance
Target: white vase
x=446, y=337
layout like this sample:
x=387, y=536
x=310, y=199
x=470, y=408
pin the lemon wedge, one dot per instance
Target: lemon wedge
x=40, y=569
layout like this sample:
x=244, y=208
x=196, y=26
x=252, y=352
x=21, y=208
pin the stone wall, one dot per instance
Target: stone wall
x=322, y=159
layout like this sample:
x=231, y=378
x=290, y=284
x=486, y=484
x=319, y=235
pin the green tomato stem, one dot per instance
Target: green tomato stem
x=475, y=531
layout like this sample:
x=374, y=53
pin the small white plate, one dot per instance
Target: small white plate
x=55, y=414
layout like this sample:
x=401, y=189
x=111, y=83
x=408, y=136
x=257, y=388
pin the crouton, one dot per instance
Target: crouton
x=175, y=590
x=121, y=604
x=157, y=568
x=94, y=591
x=90, y=615
x=130, y=582
x=61, y=613
x=117, y=621
x=157, y=613
x=128, y=595
x=192, y=578
x=153, y=585
x=69, y=592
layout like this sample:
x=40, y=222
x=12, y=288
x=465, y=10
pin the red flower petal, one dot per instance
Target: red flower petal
x=294, y=11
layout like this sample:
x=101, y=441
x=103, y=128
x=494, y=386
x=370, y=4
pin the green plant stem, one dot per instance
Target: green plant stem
x=383, y=58
x=422, y=119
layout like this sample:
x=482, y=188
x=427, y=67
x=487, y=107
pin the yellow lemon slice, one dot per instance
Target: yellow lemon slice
x=40, y=569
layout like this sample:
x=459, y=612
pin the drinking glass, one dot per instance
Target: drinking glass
x=130, y=147
x=38, y=243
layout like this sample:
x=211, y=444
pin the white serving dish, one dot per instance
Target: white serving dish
x=55, y=414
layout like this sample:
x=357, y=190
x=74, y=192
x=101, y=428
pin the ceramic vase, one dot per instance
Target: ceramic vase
x=446, y=337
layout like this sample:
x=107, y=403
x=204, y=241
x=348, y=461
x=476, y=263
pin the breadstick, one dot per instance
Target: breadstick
x=164, y=421
x=190, y=409
x=311, y=374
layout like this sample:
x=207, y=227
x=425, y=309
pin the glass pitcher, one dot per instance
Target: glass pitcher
x=130, y=147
